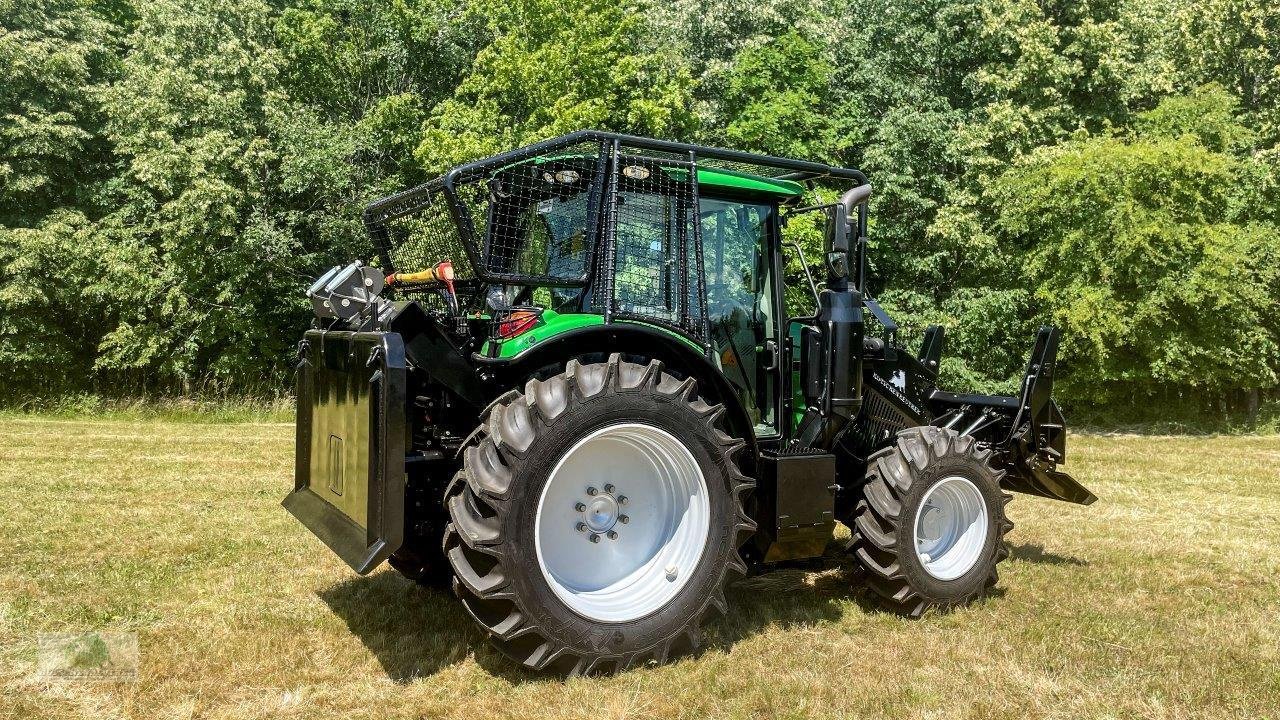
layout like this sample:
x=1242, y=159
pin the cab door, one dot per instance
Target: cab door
x=742, y=302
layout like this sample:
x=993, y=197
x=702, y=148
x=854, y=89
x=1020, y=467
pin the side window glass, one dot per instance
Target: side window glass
x=740, y=300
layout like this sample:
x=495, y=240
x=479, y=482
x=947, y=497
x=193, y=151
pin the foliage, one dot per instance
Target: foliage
x=775, y=96
x=552, y=67
x=1158, y=277
x=51, y=53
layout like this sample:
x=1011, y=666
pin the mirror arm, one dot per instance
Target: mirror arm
x=855, y=197
x=862, y=248
x=804, y=265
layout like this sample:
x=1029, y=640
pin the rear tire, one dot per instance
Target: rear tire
x=552, y=571
x=929, y=528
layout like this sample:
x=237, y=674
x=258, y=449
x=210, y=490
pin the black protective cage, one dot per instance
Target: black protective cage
x=455, y=217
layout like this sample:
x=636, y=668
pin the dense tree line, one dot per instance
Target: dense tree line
x=173, y=172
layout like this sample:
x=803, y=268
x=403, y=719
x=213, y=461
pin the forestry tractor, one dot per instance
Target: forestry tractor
x=569, y=388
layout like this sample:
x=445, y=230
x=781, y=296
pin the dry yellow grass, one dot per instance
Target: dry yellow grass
x=1162, y=600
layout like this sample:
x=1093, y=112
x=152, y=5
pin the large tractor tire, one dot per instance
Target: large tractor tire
x=929, y=529
x=597, y=517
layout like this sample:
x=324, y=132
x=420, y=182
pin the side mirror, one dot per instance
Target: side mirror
x=836, y=241
x=837, y=230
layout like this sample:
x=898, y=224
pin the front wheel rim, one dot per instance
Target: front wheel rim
x=951, y=528
x=622, y=522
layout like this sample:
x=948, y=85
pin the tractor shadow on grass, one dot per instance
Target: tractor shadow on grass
x=788, y=598
x=1034, y=553
x=413, y=631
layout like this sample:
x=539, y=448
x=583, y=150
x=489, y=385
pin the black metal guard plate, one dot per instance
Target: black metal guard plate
x=349, y=457
x=797, y=504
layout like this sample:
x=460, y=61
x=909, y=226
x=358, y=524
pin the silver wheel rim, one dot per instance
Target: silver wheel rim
x=951, y=528
x=622, y=522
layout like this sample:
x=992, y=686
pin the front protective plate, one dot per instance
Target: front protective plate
x=349, y=472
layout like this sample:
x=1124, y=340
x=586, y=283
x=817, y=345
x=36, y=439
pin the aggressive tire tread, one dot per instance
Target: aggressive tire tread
x=881, y=519
x=480, y=497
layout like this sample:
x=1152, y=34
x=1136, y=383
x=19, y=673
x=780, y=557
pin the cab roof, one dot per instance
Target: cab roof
x=717, y=168
x=728, y=166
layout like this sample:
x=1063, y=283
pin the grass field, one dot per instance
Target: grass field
x=1162, y=600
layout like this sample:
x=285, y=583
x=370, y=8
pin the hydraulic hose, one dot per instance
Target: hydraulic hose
x=441, y=273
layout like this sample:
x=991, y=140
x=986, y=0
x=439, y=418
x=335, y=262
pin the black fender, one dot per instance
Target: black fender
x=594, y=343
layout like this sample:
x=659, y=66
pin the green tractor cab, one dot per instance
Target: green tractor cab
x=570, y=390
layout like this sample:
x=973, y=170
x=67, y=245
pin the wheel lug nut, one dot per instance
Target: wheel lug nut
x=624, y=519
x=622, y=499
x=579, y=507
x=594, y=538
x=581, y=527
x=613, y=535
x=608, y=488
x=591, y=490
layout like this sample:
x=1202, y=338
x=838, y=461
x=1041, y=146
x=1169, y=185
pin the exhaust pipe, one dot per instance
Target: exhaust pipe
x=840, y=322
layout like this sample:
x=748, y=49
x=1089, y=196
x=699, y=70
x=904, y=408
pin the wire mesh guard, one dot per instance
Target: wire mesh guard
x=655, y=253
x=532, y=222
x=538, y=218
x=598, y=226
x=415, y=230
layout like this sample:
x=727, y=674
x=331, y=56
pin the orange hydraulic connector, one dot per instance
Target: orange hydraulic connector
x=442, y=272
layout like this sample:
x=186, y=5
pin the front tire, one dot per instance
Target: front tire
x=929, y=529
x=597, y=518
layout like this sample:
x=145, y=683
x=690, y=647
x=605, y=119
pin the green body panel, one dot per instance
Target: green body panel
x=742, y=181
x=729, y=180
x=549, y=325
x=552, y=324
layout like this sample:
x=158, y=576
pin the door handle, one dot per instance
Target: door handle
x=771, y=349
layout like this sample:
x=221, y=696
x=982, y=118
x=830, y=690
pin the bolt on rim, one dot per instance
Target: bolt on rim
x=622, y=522
x=951, y=528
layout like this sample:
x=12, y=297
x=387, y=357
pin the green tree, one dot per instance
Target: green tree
x=711, y=36
x=551, y=67
x=54, y=160
x=1234, y=43
x=775, y=97
x=1141, y=254
x=52, y=53
x=173, y=173
x=360, y=79
x=188, y=119
x=356, y=82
